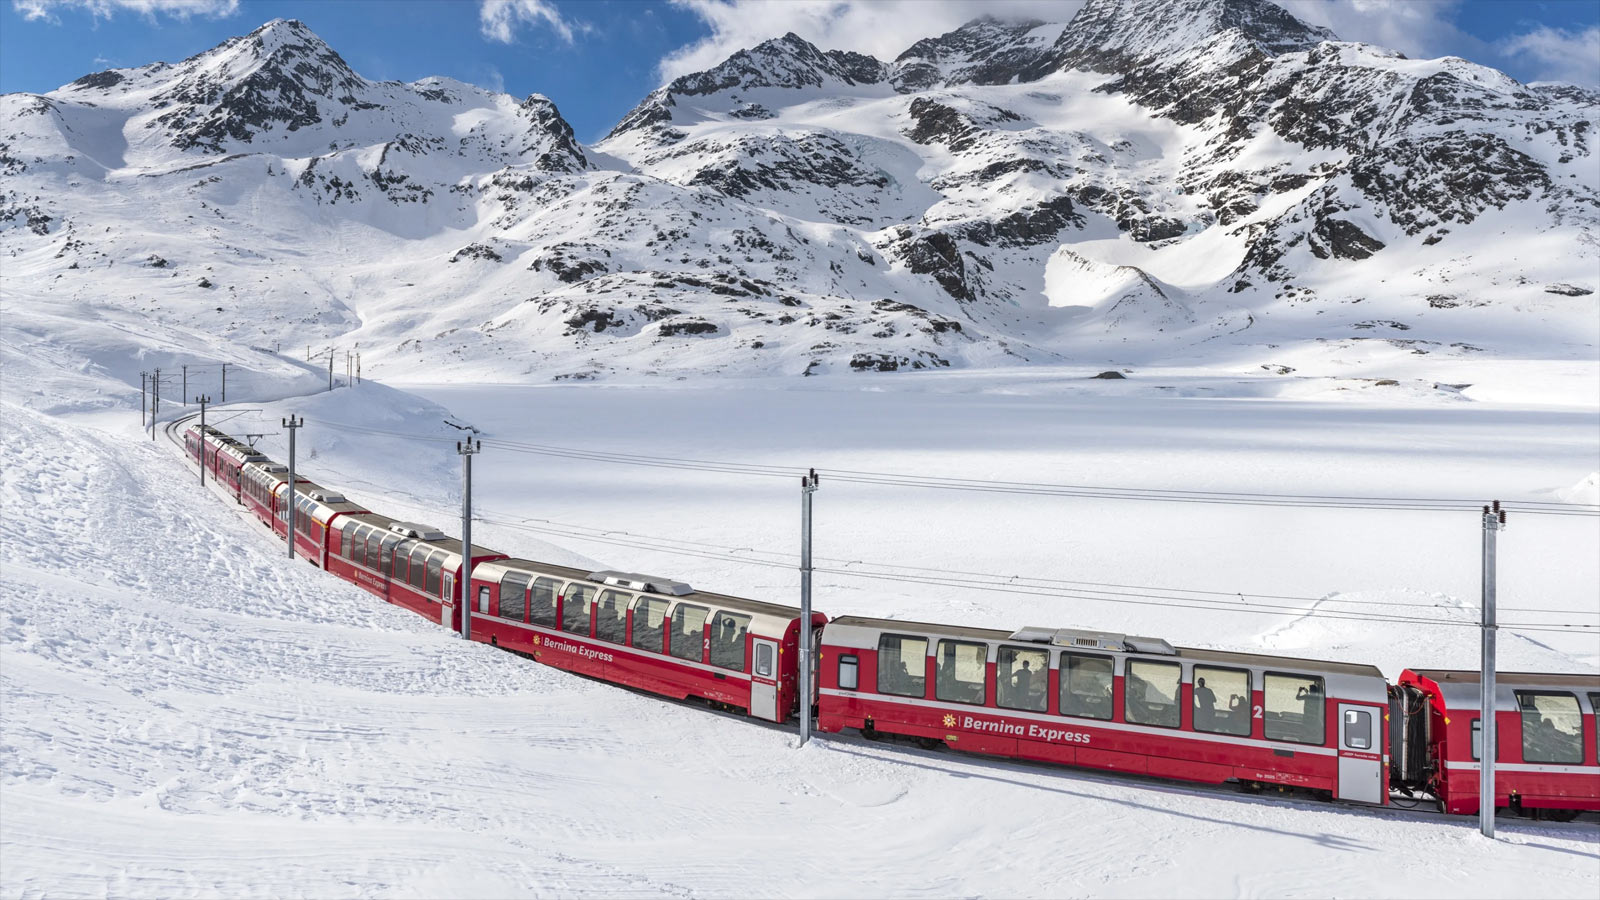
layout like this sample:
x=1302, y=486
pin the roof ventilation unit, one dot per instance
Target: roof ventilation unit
x=636, y=582
x=420, y=532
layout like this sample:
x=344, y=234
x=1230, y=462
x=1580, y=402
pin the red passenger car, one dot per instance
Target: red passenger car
x=220, y=455
x=649, y=633
x=259, y=484
x=410, y=565
x=1545, y=729
x=317, y=512
x=1110, y=701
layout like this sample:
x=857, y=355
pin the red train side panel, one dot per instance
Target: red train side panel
x=1101, y=704
x=1546, y=732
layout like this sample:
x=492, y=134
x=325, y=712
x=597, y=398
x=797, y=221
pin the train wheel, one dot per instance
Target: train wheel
x=928, y=743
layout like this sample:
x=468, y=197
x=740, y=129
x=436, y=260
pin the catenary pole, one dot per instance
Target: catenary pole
x=202, y=399
x=808, y=486
x=467, y=449
x=155, y=401
x=1493, y=520
x=144, y=398
x=292, y=424
x=185, y=392
x=224, y=382
x=330, y=370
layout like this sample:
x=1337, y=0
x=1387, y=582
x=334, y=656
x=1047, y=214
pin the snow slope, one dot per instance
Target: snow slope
x=189, y=714
x=799, y=210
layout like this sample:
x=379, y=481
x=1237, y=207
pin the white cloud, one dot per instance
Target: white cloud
x=1421, y=29
x=1556, y=54
x=883, y=28
x=500, y=19
x=44, y=10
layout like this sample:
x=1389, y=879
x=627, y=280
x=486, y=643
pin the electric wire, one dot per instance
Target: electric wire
x=1132, y=594
x=1167, y=598
x=787, y=560
x=890, y=479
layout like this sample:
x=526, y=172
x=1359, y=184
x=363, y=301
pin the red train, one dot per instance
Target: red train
x=1106, y=701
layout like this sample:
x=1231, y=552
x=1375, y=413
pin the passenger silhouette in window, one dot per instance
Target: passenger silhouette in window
x=1205, y=706
x=1024, y=678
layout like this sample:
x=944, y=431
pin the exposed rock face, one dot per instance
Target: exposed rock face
x=984, y=51
x=1002, y=193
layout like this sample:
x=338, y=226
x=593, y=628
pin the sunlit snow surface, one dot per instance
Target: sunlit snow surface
x=189, y=714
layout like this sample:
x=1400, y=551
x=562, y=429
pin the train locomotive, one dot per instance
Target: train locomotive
x=1114, y=702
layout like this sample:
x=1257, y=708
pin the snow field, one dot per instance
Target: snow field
x=190, y=714
x=231, y=723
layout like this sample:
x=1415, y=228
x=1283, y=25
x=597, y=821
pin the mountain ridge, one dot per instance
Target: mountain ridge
x=973, y=202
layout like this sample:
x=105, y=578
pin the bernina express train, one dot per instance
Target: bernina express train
x=1114, y=702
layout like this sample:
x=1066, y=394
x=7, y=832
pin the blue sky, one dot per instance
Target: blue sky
x=596, y=59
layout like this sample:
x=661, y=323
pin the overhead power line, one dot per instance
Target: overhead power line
x=1101, y=492
x=1129, y=594
x=1061, y=589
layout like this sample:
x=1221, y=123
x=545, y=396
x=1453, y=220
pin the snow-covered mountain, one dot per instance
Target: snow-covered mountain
x=1184, y=180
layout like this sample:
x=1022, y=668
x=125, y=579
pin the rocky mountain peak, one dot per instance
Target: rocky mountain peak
x=1146, y=29
x=790, y=61
x=273, y=77
x=985, y=50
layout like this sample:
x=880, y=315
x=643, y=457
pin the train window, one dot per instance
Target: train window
x=431, y=580
x=728, y=632
x=1086, y=686
x=1357, y=729
x=689, y=632
x=1552, y=727
x=419, y=564
x=542, y=602
x=1022, y=678
x=960, y=673
x=849, y=672
x=358, y=550
x=386, y=547
x=1151, y=691
x=764, y=660
x=575, y=608
x=1594, y=707
x=648, y=614
x=1477, y=741
x=513, y=596
x=1221, y=700
x=903, y=665
x=1295, y=708
x=611, y=617
x=391, y=557
x=402, y=561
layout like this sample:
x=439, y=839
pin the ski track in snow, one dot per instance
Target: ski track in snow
x=189, y=714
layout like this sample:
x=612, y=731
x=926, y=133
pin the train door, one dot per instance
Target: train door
x=1360, y=757
x=764, y=680
x=447, y=607
x=816, y=659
